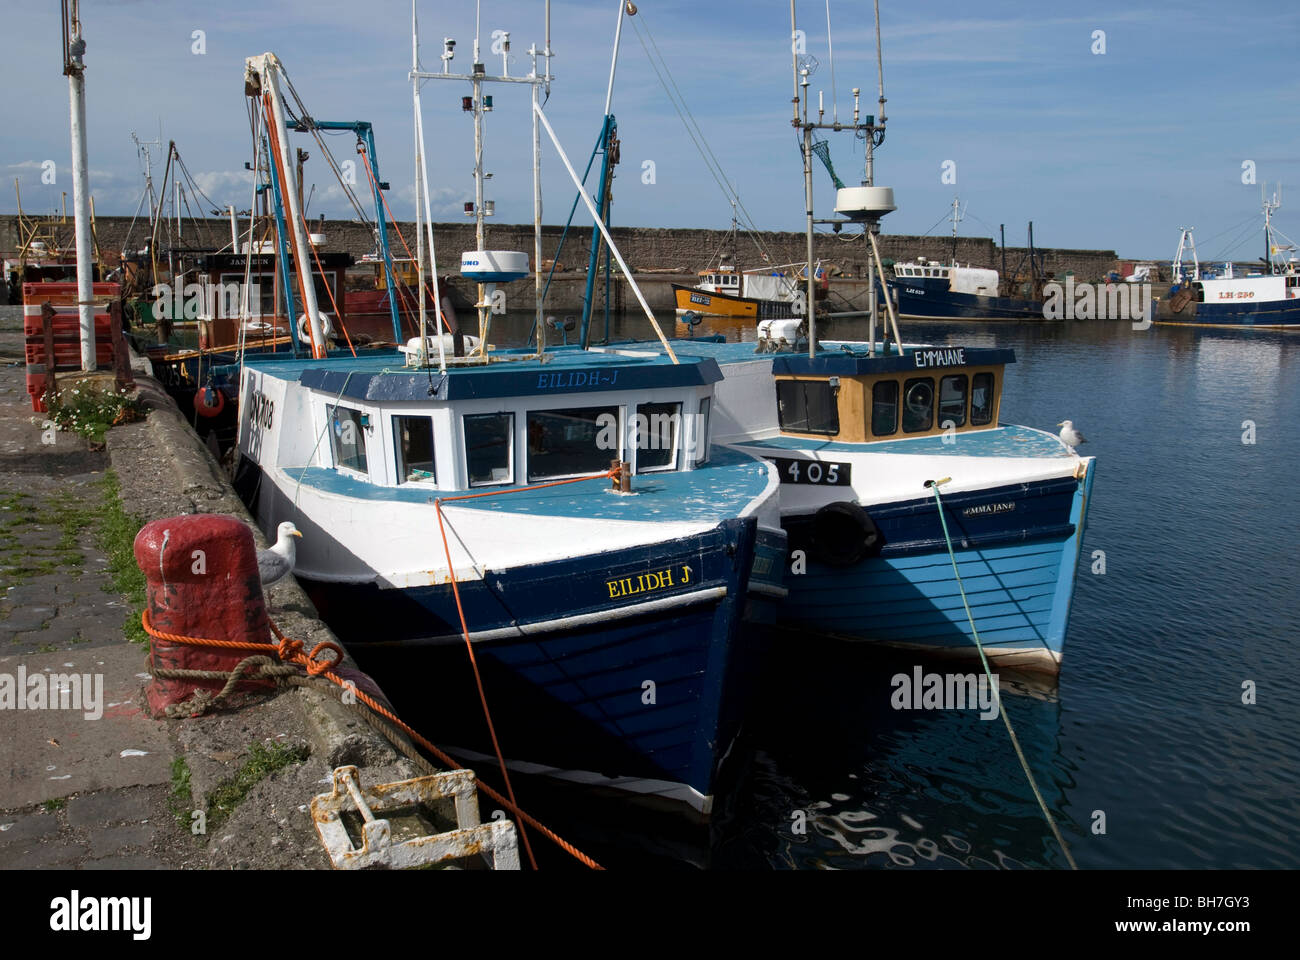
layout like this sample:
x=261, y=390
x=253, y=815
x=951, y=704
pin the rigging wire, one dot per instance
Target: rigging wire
x=694, y=131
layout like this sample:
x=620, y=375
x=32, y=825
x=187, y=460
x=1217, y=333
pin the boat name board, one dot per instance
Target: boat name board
x=572, y=379
x=954, y=357
x=648, y=582
x=816, y=472
x=988, y=509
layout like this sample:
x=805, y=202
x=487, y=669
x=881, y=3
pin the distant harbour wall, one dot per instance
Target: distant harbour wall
x=682, y=250
x=666, y=254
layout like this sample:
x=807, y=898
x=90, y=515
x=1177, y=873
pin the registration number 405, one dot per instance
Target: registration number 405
x=819, y=472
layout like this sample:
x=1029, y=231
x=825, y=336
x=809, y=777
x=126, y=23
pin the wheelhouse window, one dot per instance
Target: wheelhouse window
x=918, y=405
x=658, y=427
x=348, y=437
x=489, y=443
x=413, y=438
x=572, y=442
x=952, y=400
x=981, y=399
x=702, y=432
x=884, y=408
x=807, y=406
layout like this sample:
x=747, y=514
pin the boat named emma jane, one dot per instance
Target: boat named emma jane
x=856, y=433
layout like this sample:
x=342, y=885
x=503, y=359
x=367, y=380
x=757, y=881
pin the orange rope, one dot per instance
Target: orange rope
x=291, y=651
x=460, y=610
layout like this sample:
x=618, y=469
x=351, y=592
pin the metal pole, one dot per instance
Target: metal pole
x=595, y=215
x=81, y=194
x=794, y=67
x=808, y=202
x=873, y=304
x=618, y=32
x=538, y=324
x=423, y=353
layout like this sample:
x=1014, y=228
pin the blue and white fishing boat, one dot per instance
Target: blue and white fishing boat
x=1268, y=299
x=450, y=497
x=856, y=431
x=863, y=433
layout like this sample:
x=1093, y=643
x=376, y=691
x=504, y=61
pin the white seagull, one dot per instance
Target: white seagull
x=277, y=563
x=1070, y=436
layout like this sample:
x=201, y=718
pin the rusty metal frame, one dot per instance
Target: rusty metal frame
x=496, y=841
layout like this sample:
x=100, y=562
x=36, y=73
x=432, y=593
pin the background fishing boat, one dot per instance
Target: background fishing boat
x=1268, y=298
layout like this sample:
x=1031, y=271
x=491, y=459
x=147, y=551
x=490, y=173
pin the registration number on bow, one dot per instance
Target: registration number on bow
x=817, y=472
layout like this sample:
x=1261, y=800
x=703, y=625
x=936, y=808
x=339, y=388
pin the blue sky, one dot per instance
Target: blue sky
x=1115, y=150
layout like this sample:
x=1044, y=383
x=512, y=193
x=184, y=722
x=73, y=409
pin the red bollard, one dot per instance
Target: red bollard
x=202, y=581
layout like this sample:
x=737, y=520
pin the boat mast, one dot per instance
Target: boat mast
x=1269, y=207
x=800, y=122
x=478, y=103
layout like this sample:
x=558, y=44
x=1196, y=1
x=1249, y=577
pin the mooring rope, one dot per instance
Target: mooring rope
x=320, y=671
x=1015, y=742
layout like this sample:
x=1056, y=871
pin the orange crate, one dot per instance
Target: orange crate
x=67, y=323
x=67, y=353
x=65, y=294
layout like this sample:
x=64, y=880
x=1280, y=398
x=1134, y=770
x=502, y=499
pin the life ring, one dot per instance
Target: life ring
x=209, y=401
x=326, y=326
x=844, y=534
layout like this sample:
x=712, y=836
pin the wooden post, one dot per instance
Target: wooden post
x=123, y=377
x=622, y=475
x=47, y=323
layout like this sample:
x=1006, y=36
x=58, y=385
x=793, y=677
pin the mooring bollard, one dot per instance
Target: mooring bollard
x=202, y=581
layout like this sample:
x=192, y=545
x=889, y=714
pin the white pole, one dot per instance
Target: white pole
x=539, y=325
x=600, y=225
x=423, y=354
x=81, y=201
x=428, y=225
x=618, y=32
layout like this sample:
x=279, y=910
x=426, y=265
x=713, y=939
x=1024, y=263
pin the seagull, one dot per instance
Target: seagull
x=1070, y=436
x=277, y=563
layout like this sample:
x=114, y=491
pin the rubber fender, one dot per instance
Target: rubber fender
x=844, y=534
x=209, y=401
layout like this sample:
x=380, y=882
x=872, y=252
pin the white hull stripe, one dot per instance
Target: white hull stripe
x=568, y=623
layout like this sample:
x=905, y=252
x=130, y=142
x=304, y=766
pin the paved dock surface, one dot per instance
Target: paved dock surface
x=94, y=788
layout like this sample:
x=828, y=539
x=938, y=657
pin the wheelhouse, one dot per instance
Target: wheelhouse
x=925, y=392
x=386, y=428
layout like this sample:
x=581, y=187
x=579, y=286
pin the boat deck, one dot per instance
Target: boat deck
x=1004, y=440
x=729, y=485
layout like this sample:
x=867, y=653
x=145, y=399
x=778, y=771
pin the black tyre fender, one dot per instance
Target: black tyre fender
x=844, y=534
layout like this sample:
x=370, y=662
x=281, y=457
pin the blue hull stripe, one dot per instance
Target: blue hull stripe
x=1019, y=593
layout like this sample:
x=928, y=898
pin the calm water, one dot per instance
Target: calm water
x=1147, y=724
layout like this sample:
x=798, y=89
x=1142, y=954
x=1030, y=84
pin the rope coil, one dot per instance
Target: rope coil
x=318, y=672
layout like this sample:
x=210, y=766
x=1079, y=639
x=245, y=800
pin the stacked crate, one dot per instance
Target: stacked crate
x=62, y=298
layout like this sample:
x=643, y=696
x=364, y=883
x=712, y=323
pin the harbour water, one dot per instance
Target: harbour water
x=1144, y=750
